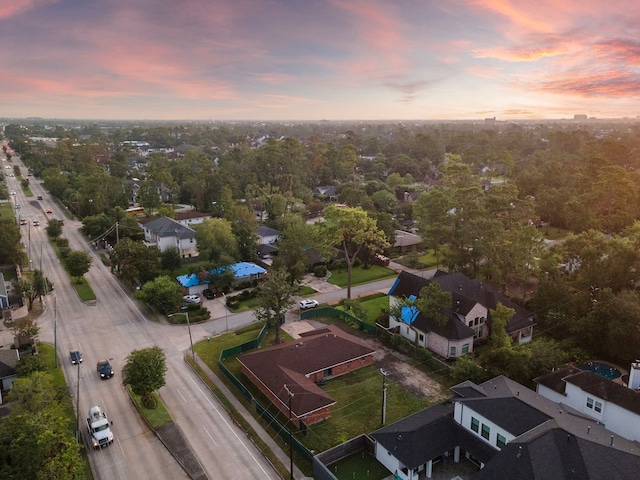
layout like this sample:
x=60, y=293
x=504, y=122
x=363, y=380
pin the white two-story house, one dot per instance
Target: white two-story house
x=468, y=318
x=165, y=232
x=503, y=430
x=611, y=404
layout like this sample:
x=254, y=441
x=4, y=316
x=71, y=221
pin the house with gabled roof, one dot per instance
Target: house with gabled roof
x=468, y=318
x=164, y=232
x=195, y=283
x=291, y=373
x=613, y=404
x=191, y=217
x=505, y=431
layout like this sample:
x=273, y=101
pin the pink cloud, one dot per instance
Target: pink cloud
x=11, y=8
x=605, y=83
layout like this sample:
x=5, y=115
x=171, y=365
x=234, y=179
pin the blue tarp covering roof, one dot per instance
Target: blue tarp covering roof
x=409, y=314
x=240, y=270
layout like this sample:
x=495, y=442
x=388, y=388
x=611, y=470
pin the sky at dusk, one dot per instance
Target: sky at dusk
x=319, y=59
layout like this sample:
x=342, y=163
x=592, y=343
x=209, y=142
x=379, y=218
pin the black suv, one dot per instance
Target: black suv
x=208, y=294
x=104, y=369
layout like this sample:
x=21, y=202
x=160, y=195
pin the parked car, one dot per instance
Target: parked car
x=36, y=223
x=306, y=304
x=104, y=369
x=13, y=192
x=39, y=197
x=23, y=221
x=208, y=294
x=49, y=210
x=191, y=299
x=76, y=357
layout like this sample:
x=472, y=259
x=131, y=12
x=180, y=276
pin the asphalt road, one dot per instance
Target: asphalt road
x=112, y=328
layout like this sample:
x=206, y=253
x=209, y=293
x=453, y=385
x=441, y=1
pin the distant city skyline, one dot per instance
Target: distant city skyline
x=288, y=60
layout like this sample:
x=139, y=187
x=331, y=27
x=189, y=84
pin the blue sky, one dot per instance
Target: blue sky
x=324, y=59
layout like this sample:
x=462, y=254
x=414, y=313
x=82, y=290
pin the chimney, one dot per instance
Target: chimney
x=634, y=375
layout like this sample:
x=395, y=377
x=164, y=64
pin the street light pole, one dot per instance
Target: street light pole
x=384, y=395
x=186, y=314
x=290, y=439
x=78, y=407
x=226, y=320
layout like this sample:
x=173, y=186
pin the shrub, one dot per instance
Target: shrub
x=320, y=271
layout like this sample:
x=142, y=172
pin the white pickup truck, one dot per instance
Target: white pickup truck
x=99, y=427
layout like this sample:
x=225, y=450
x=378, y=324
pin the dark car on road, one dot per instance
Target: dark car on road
x=76, y=357
x=104, y=369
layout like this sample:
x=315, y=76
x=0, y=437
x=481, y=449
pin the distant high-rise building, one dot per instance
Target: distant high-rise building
x=580, y=116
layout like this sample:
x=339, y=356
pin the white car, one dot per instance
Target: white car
x=13, y=192
x=191, y=299
x=305, y=304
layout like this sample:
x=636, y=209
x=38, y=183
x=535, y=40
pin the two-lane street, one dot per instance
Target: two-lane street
x=111, y=328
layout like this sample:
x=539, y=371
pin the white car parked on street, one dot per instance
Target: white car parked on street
x=305, y=304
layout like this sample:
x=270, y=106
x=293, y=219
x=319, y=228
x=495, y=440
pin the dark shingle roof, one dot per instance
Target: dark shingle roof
x=8, y=362
x=509, y=413
x=465, y=293
x=264, y=231
x=167, y=227
x=559, y=456
x=595, y=385
x=453, y=329
x=426, y=435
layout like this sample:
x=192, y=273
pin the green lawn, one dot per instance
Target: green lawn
x=158, y=416
x=360, y=275
x=373, y=304
x=6, y=211
x=358, y=395
x=85, y=292
x=360, y=465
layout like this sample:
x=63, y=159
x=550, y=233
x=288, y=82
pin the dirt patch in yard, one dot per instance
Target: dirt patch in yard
x=397, y=365
x=399, y=371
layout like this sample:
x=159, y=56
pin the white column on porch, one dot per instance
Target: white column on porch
x=429, y=468
x=456, y=454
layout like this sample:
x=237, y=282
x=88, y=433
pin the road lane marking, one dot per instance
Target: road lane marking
x=180, y=393
x=214, y=442
x=231, y=429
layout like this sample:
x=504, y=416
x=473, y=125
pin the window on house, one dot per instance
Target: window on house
x=501, y=441
x=590, y=403
x=421, y=337
x=475, y=322
x=481, y=320
x=475, y=425
x=598, y=407
x=452, y=351
x=471, y=323
x=486, y=431
x=465, y=349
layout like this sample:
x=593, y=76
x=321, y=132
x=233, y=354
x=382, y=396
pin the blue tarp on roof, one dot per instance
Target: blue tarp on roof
x=240, y=270
x=409, y=313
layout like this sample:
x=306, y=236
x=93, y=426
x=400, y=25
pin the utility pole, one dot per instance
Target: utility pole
x=384, y=395
x=78, y=407
x=290, y=435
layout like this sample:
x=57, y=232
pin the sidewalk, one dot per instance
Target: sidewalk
x=261, y=432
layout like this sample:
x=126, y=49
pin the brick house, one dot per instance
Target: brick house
x=299, y=367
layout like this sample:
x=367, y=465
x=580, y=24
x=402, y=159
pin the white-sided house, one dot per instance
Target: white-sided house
x=468, y=319
x=613, y=405
x=165, y=232
x=503, y=430
x=191, y=217
x=267, y=235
